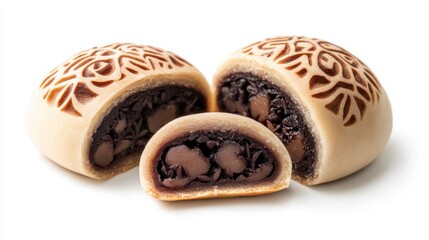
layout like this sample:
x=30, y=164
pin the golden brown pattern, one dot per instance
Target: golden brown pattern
x=334, y=74
x=82, y=78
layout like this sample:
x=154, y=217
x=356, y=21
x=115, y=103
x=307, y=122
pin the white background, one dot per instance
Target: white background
x=40, y=200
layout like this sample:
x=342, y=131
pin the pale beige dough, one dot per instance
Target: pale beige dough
x=349, y=134
x=70, y=103
x=214, y=122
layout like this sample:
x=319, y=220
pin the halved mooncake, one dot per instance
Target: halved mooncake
x=323, y=103
x=95, y=113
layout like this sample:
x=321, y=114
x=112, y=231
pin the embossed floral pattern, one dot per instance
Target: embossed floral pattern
x=82, y=78
x=333, y=74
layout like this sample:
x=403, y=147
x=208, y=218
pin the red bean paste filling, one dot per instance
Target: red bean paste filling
x=208, y=158
x=249, y=95
x=130, y=124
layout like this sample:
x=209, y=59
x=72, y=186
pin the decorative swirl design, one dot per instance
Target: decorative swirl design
x=82, y=78
x=333, y=74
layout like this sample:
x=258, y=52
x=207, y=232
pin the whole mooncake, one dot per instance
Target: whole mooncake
x=323, y=103
x=95, y=113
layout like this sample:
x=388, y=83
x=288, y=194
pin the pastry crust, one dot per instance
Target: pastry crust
x=212, y=122
x=344, y=105
x=73, y=99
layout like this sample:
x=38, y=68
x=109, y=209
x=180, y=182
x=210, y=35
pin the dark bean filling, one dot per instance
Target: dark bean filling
x=215, y=158
x=249, y=95
x=128, y=126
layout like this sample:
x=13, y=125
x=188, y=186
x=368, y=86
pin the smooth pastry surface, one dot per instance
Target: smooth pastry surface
x=94, y=113
x=326, y=105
